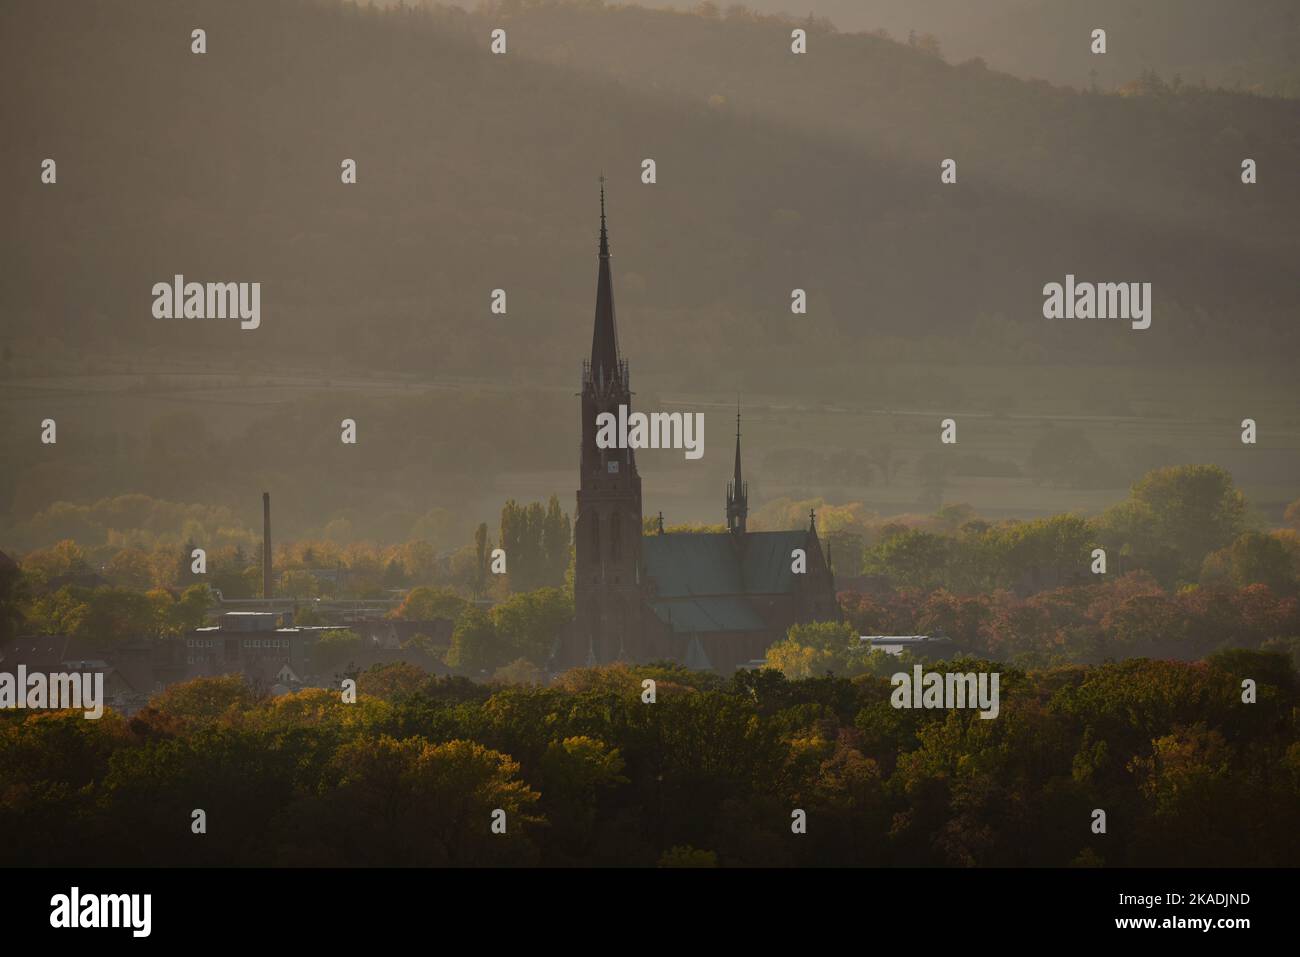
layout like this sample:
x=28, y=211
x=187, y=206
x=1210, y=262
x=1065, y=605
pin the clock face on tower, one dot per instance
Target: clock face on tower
x=611, y=467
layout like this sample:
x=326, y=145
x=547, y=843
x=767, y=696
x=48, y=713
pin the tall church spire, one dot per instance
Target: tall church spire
x=604, y=236
x=608, y=525
x=737, y=489
x=604, y=337
x=737, y=475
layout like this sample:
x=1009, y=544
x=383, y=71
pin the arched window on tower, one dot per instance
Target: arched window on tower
x=595, y=535
x=615, y=535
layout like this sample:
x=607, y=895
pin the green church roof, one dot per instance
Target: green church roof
x=687, y=615
x=721, y=564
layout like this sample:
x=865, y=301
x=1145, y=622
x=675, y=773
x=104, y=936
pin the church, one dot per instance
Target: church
x=710, y=601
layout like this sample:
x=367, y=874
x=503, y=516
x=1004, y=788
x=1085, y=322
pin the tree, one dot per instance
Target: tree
x=810, y=650
x=846, y=550
x=1148, y=625
x=520, y=547
x=578, y=775
x=184, y=574
x=914, y=557
x=480, y=559
x=1060, y=544
x=392, y=681
x=203, y=701
x=474, y=645
x=419, y=560
x=536, y=542
x=102, y=617
x=130, y=568
x=1175, y=517
x=426, y=604
x=521, y=671
x=1257, y=558
x=577, y=769
x=528, y=624
x=172, y=617
x=64, y=558
x=381, y=805
x=192, y=610
x=12, y=593
x=299, y=583
x=394, y=574
x=929, y=43
x=556, y=534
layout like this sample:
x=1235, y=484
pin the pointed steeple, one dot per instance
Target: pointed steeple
x=737, y=490
x=737, y=479
x=604, y=235
x=604, y=337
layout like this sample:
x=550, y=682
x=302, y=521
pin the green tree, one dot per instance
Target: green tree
x=1255, y=558
x=130, y=568
x=536, y=542
x=810, y=650
x=914, y=558
x=102, y=617
x=381, y=808
x=12, y=594
x=475, y=646
x=177, y=617
x=529, y=623
x=426, y=603
x=203, y=701
x=557, y=531
x=1175, y=517
x=480, y=559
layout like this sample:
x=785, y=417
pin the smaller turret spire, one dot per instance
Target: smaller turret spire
x=737, y=476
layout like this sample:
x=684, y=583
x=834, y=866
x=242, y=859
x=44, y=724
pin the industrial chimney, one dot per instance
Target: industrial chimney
x=268, y=590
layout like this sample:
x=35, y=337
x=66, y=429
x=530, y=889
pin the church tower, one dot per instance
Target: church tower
x=607, y=527
x=737, y=492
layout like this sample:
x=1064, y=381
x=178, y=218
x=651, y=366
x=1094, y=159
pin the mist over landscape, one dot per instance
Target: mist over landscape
x=775, y=172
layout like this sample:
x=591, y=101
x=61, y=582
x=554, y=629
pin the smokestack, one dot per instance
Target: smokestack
x=267, y=590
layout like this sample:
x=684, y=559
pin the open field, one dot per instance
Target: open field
x=1136, y=419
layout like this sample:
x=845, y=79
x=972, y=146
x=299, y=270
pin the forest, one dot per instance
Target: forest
x=709, y=774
